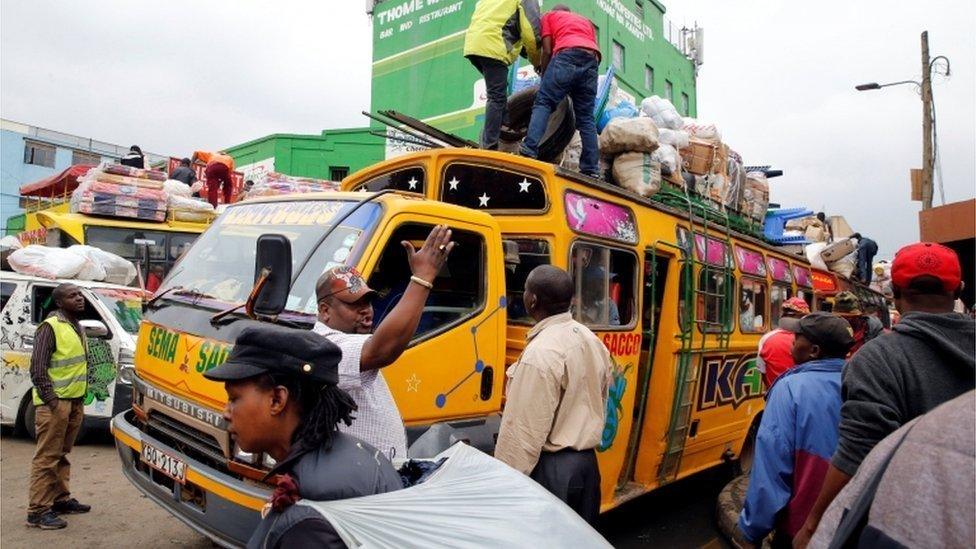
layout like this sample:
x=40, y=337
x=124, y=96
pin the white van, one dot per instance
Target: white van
x=111, y=321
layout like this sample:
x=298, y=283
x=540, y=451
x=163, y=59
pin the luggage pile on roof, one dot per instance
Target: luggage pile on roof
x=647, y=147
x=121, y=191
x=114, y=190
x=274, y=184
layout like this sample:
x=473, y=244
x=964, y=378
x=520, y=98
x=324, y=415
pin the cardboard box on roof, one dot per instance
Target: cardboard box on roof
x=699, y=156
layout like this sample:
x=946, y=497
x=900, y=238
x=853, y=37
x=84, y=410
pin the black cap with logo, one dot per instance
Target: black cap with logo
x=824, y=329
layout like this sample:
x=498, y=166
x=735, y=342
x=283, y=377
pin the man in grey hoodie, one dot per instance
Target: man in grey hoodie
x=927, y=359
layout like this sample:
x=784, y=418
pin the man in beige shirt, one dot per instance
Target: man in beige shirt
x=556, y=397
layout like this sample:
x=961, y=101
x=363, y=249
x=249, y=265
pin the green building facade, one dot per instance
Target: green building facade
x=419, y=69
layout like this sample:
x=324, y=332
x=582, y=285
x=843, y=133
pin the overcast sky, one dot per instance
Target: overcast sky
x=778, y=81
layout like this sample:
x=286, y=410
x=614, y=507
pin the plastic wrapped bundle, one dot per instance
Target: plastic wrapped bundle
x=755, y=196
x=273, y=184
x=172, y=187
x=185, y=208
x=676, y=138
x=47, y=262
x=629, y=135
x=702, y=130
x=662, y=112
x=625, y=109
x=571, y=155
x=139, y=173
x=104, y=266
x=466, y=502
x=812, y=251
x=668, y=157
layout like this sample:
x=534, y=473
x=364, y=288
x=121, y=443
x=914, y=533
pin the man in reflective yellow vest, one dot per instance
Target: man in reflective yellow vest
x=59, y=372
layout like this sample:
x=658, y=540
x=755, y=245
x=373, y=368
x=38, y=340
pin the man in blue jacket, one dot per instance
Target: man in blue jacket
x=798, y=433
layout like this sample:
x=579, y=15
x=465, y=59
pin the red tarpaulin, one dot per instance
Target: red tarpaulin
x=58, y=185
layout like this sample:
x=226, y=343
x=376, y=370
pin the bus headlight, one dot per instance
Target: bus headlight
x=245, y=457
x=127, y=367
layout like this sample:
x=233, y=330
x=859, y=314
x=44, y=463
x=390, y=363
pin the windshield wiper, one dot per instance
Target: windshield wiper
x=156, y=297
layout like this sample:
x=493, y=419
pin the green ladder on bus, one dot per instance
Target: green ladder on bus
x=719, y=330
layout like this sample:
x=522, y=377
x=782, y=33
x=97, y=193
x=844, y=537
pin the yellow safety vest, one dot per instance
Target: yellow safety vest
x=69, y=365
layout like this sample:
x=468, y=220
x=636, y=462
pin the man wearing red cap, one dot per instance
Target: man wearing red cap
x=345, y=317
x=927, y=359
x=775, y=348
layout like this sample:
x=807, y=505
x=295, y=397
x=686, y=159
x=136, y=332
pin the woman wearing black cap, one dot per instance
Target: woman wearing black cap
x=282, y=400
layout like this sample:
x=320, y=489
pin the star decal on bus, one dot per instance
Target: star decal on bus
x=453, y=183
x=524, y=186
x=412, y=183
x=483, y=200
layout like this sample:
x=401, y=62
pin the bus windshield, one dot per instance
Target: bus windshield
x=220, y=264
x=125, y=305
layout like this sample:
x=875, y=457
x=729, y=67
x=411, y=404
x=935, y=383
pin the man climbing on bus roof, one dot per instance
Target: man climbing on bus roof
x=345, y=317
x=499, y=31
x=556, y=397
x=570, y=61
x=798, y=432
x=776, y=347
x=219, y=167
x=866, y=250
x=926, y=359
x=59, y=371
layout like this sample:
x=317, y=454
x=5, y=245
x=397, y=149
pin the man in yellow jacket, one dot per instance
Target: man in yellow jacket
x=59, y=372
x=499, y=32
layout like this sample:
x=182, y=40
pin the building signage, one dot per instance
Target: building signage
x=628, y=19
x=405, y=15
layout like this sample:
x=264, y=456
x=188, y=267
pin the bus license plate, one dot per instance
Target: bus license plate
x=164, y=463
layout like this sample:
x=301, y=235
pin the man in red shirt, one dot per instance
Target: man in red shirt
x=570, y=59
x=219, y=168
x=775, y=348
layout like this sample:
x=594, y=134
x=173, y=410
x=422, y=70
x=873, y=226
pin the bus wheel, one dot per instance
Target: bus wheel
x=30, y=417
x=743, y=465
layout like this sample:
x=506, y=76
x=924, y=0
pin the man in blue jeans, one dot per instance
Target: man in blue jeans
x=570, y=59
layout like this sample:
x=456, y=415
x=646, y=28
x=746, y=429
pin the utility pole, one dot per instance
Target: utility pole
x=928, y=163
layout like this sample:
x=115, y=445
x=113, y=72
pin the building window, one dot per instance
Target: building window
x=684, y=103
x=338, y=173
x=668, y=90
x=649, y=78
x=81, y=157
x=39, y=154
x=618, y=56
x=640, y=9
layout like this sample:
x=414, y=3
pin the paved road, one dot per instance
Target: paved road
x=678, y=516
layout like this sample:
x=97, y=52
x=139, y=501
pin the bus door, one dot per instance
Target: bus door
x=454, y=365
x=654, y=282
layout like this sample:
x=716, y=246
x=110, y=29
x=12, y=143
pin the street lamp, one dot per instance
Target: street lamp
x=930, y=145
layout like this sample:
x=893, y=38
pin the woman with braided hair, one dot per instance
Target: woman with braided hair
x=282, y=400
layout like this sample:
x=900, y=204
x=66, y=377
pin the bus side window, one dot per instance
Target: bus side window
x=778, y=294
x=521, y=256
x=6, y=290
x=714, y=306
x=42, y=305
x=408, y=179
x=752, y=306
x=459, y=289
x=604, y=279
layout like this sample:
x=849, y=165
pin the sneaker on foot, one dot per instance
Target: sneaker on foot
x=48, y=520
x=70, y=507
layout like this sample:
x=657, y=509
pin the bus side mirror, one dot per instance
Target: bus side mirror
x=93, y=328
x=272, y=275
